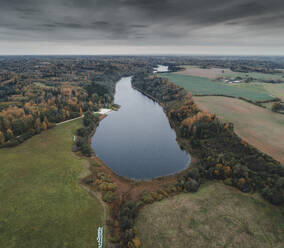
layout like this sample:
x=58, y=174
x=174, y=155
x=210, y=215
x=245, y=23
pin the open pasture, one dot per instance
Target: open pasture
x=215, y=216
x=275, y=90
x=214, y=73
x=204, y=86
x=256, y=76
x=210, y=73
x=42, y=203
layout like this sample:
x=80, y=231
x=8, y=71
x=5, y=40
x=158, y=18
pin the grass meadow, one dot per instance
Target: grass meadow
x=204, y=86
x=42, y=204
x=275, y=90
x=215, y=216
x=214, y=73
x=255, y=75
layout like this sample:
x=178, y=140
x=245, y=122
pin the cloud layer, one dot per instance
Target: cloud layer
x=142, y=23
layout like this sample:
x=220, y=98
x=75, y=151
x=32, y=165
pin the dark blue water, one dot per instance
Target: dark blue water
x=137, y=141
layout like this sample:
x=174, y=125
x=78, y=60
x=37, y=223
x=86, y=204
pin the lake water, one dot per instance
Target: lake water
x=161, y=68
x=137, y=141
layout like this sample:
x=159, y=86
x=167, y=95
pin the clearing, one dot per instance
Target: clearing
x=210, y=73
x=258, y=126
x=214, y=73
x=42, y=203
x=216, y=216
x=256, y=76
x=275, y=90
x=204, y=86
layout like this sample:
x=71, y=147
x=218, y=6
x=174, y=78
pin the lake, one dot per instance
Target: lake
x=137, y=141
x=161, y=68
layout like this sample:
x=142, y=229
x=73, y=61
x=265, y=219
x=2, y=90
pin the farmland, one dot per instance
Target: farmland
x=258, y=126
x=210, y=73
x=214, y=73
x=42, y=203
x=204, y=86
x=275, y=90
x=256, y=76
x=216, y=216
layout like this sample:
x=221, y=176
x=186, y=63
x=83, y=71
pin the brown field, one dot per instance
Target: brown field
x=211, y=73
x=215, y=216
x=258, y=126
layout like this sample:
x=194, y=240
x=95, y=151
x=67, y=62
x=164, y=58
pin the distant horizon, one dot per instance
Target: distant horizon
x=157, y=54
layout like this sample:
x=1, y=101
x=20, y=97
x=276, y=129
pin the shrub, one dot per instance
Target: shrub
x=104, y=177
x=170, y=188
x=191, y=185
x=95, y=164
x=147, y=197
x=163, y=192
x=109, y=196
x=86, y=150
x=193, y=173
x=104, y=186
x=228, y=181
x=275, y=194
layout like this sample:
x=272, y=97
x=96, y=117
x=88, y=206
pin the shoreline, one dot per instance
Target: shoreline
x=187, y=166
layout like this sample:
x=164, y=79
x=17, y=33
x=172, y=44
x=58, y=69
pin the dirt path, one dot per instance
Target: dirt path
x=102, y=111
x=57, y=124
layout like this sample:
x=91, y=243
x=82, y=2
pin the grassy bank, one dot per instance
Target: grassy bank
x=42, y=203
x=215, y=216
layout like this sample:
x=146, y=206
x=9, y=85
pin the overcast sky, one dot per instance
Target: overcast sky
x=142, y=27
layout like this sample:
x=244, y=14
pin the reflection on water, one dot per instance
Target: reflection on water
x=137, y=141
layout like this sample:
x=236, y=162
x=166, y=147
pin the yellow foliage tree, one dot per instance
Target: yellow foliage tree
x=2, y=138
x=219, y=165
x=136, y=242
x=10, y=132
x=228, y=170
x=241, y=182
x=44, y=126
x=244, y=142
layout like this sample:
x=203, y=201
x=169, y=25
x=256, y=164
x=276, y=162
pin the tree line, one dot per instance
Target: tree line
x=222, y=154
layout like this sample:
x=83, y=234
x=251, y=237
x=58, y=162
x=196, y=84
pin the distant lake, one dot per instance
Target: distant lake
x=137, y=141
x=161, y=68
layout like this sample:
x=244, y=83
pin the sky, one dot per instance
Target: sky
x=237, y=27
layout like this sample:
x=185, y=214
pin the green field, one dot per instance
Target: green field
x=42, y=204
x=216, y=216
x=204, y=86
x=255, y=75
x=275, y=90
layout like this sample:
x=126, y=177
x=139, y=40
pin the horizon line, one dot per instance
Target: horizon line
x=153, y=54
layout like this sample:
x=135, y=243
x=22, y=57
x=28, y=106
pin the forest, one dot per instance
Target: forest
x=37, y=93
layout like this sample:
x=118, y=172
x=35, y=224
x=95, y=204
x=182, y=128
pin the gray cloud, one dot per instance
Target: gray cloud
x=144, y=22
